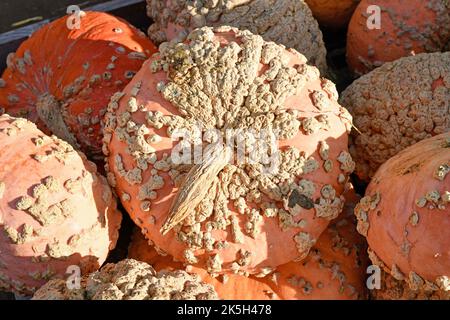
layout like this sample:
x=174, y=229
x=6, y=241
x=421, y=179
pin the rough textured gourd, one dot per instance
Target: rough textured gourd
x=55, y=209
x=396, y=106
x=405, y=215
x=406, y=27
x=250, y=212
x=332, y=13
x=130, y=280
x=228, y=286
x=286, y=22
x=62, y=79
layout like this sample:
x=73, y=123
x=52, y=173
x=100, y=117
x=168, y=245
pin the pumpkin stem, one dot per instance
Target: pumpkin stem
x=49, y=112
x=195, y=187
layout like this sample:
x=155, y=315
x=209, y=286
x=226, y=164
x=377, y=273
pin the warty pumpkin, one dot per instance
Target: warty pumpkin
x=406, y=27
x=228, y=286
x=332, y=13
x=55, y=209
x=397, y=105
x=130, y=280
x=62, y=79
x=405, y=215
x=286, y=22
x=218, y=215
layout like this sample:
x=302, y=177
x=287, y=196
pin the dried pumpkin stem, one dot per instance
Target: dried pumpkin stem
x=49, y=112
x=196, y=185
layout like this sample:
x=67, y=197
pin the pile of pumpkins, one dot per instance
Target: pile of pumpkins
x=90, y=123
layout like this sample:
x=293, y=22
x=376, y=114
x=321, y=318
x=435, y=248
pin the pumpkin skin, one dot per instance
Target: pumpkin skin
x=286, y=22
x=407, y=27
x=405, y=213
x=393, y=289
x=63, y=79
x=397, y=105
x=339, y=244
x=148, y=187
x=130, y=280
x=55, y=209
x=332, y=13
x=228, y=287
x=335, y=269
x=141, y=249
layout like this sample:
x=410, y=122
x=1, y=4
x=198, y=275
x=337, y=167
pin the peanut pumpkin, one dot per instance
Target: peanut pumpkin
x=333, y=13
x=62, y=79
x=405, y=215
x=396, y=29
x=397, y=105
x=55, y=209
x=228, y=286
x=130, y=280
x=286, y=22
x=220, y=211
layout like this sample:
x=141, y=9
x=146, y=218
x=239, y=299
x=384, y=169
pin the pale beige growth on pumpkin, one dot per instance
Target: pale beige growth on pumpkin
x=130, y=280
x=286, y=22
x=397, y=105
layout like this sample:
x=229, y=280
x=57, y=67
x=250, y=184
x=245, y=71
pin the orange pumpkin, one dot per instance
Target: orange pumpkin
x=240, y=215
x=286, y=22
x=397, y=105
x=55, y=210
x=406, y=27
x=228, y=287
x=332, y=13
x=405, y=215
x=62, y=79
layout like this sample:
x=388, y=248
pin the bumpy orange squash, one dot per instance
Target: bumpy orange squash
x=239, y=214
x=286, y=22
x=406, y=27
x=55, y=209
x=405, y=215
x=397, y=105
x=62, y=79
